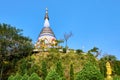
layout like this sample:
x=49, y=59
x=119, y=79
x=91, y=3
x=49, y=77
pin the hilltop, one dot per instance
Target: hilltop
x=51, y=58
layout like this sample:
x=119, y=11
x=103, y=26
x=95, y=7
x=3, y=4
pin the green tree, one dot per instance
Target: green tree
x=33, y=68
x=59, y=69
x=11, y=77
x=108, y=57
x=13, y=46
x=53, y=75
x=102, y=65
x=95, y=51
x=89, y=72
x=113, y=61
x=64, y=50
x=79, y=51
x=71, y=72
x=44, y=70
x=34, y=76
x=23, y=66
x=13, y=43
x=116, y=78
x=27, y=66
x=91, y=58
x=17, y=77
x=117, y=67
x=25, y=77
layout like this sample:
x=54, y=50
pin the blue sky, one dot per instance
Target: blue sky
x=92, y=22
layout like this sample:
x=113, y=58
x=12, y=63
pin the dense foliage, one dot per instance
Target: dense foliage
x=25, y=77
x=53, y=75
x=89, y=72
x=42, y=63
x=71, y=72
x=13, y=46
x=33, y=76
x=44, y=70
x=12, y=43
x=115, y=64
x=60, y=66
x=116, y=77
x=59, y=69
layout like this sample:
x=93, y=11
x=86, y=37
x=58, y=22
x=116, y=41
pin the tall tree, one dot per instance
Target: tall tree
x=117, y=67
x=66, y=37
x=25, y=77
x=44, y=70
x=34, y=76
x=59, y=69
x=17, y=77
x=71, y=72
x=53, y=75
x=13, y=45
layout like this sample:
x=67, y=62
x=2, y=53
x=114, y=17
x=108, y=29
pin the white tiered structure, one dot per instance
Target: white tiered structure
x=46, y=37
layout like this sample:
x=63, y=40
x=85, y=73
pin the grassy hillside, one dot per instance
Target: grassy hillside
x=51, y=58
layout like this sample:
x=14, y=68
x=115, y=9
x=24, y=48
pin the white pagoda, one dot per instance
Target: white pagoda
x=46, y=37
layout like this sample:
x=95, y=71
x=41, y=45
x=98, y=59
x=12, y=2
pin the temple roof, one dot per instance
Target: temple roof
x=46, y=30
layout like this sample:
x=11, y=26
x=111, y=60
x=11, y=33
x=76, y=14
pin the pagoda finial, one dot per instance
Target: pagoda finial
x=46, y=10
x=46, y=23
x=46, y=14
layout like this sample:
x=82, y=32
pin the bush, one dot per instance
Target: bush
x=17, y=77
x=71, y=72
x=11, y=77
x=44, y=70
x=89, y=72
x=79, y=51
x=64, y=50
x=53, y=75
x=102, y=65
x=117, y=67
x=34, y=76
x=25, y=77
x=59, y=69
x=116, y=78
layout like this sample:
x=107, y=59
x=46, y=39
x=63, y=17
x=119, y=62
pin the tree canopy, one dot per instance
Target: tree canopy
x=13, y=43
x=13, y=46
x=89, y=72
